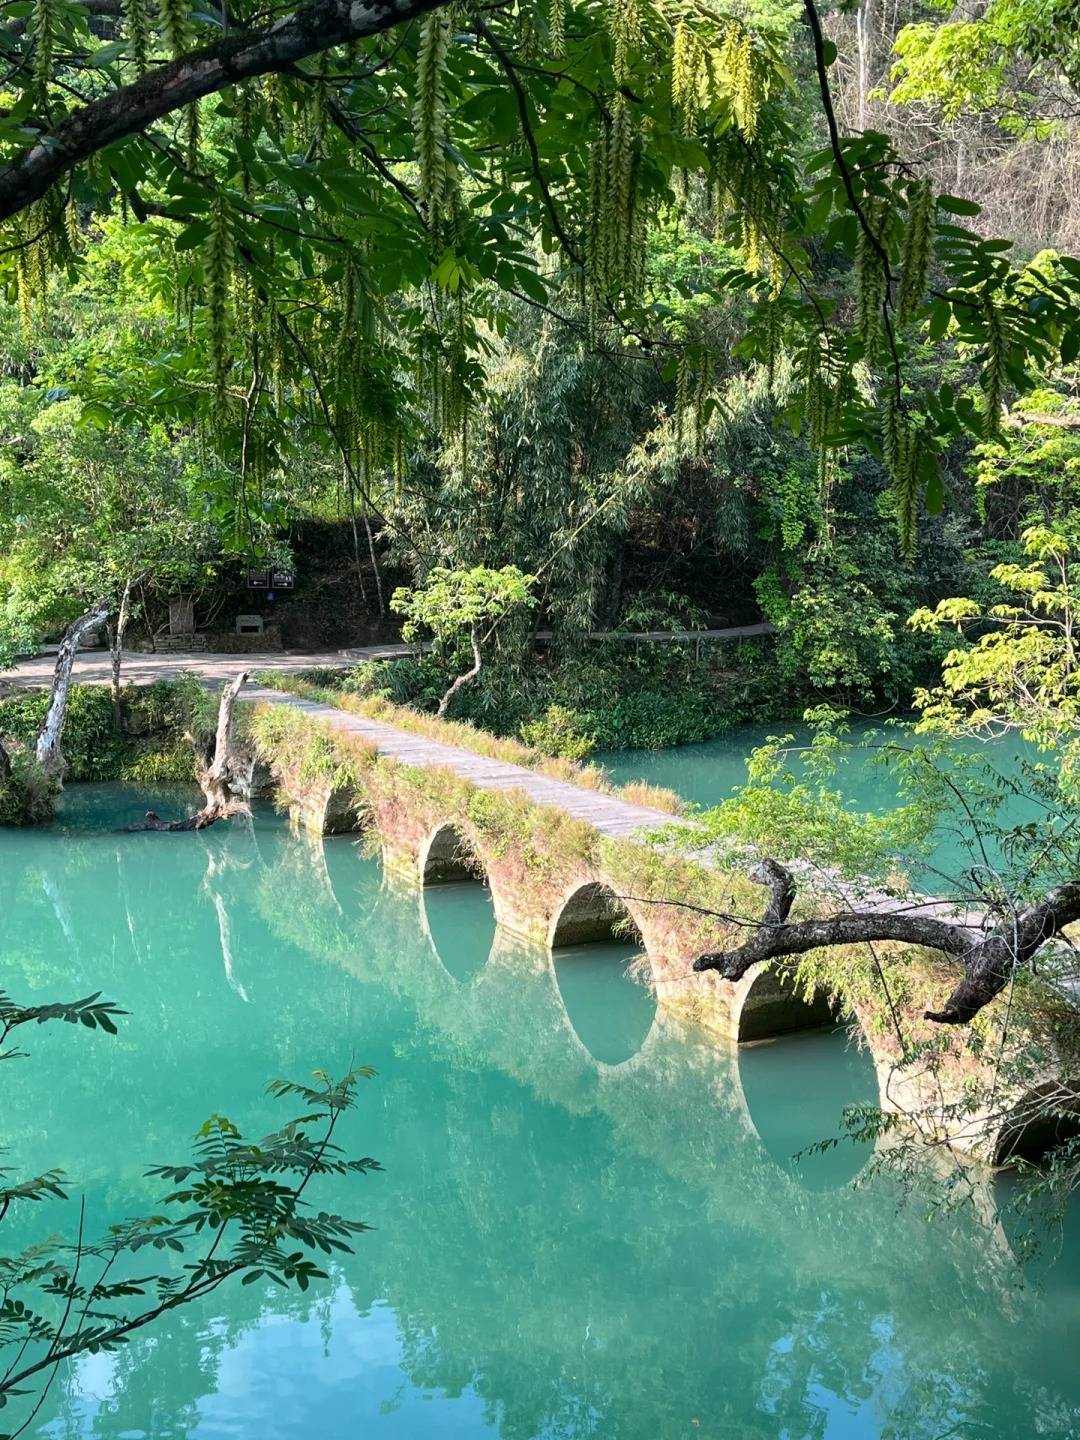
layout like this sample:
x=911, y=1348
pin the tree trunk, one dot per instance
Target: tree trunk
x=49, y=754
x=118, y=651
x=225, y=780
x=356, y=538
x=5, y=766
x=462, y=680
x=989, y=960
x=375, y=566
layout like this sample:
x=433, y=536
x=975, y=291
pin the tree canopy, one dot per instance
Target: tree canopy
x=344, y=202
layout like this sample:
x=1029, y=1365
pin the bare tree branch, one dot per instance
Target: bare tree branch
x=989, y=963
x=49, y=754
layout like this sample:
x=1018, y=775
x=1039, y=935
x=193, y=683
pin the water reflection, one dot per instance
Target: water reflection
x=460, y=924
x=610, y=1011
x=796, y=1088
x=561, y=1248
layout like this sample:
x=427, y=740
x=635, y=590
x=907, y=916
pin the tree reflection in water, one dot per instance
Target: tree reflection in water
x=562, y=1247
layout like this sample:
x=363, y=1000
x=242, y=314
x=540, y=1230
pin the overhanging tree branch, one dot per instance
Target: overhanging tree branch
x=131, y=109
x=989, y=964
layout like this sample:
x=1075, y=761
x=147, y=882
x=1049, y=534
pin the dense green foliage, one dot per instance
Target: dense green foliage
x=155, y=744
x=346, y=221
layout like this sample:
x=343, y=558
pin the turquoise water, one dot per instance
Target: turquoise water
x=590, y=1222
x=713, y=770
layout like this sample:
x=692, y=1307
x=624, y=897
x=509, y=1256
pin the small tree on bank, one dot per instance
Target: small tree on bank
x=463, y=605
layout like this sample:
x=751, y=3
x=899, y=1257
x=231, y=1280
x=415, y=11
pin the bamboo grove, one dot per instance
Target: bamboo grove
x=343, y=237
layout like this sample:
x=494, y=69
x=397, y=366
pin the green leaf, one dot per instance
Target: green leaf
x=940, y=315
x=533, y=286
x=193, y=236
x=958, y=206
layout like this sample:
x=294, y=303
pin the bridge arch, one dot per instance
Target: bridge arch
x=317, y=805
x=448, y=856
x=767, y=1002
x=456, y=902
x=1042, y=1118
x=610, y=1005
x=592, y=913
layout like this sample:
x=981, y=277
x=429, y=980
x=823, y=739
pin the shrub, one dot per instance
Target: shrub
x=152, y=747
x=29, y=796
x=160, y=765
x=559, y=731
x=92, y=747
x=653, y=720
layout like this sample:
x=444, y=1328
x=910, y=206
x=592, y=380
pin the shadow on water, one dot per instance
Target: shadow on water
x=460, y=923
x=796, y=1088
x=611, y=1013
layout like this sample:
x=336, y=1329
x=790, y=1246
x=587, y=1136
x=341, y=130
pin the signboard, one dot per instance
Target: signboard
x=270, y=579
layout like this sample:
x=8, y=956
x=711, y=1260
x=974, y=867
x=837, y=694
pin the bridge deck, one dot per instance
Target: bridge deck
x=605, y=813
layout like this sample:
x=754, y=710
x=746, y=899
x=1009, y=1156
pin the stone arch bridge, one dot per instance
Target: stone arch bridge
x=567, y=865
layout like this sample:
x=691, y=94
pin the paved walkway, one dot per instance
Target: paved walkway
x=94, y=667
x=605, y=813
x=728, y=632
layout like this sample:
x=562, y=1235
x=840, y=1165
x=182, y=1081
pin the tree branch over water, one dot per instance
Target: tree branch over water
x=989, y=964
x=131, y=109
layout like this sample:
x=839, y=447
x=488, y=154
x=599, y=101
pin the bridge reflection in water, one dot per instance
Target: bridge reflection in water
x=611, y=1011
x=460, y=924
x=561, y=1246
x=796, y=1090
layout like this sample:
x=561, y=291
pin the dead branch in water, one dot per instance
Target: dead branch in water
x=225, y=781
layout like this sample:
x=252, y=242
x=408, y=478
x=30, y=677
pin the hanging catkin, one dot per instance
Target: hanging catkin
x=41, y=30
x=138, y=30
x=175, y=25
x=993, y=371
x=870, y=279
x=218, y=266
x=429, y=112
x=687, y=73
x=739, y=65
x=557, y=28
x=915, y=254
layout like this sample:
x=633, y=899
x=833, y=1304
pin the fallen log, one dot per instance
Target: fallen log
x=224, y=778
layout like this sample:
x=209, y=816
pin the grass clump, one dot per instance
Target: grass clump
x=310, y=685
